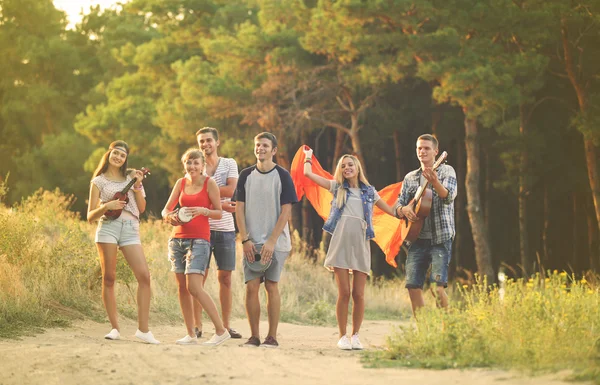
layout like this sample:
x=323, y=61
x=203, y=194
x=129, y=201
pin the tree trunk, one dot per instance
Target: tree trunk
x=575, y=230
x=522, y=197
x=460, y=202
x=339, y=148
x=398, y=157
x=546, y=249
x=355, y=139
x=582, y=99
x=474, y=210
x=592, y=236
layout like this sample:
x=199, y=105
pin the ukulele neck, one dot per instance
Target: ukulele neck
x=128, y=186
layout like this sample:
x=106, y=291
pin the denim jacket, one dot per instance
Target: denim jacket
x=367, y=195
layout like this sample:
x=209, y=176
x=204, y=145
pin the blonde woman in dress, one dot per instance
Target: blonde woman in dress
x=350, y=223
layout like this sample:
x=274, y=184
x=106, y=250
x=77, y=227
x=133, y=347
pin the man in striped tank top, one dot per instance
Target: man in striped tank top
x=222, y=231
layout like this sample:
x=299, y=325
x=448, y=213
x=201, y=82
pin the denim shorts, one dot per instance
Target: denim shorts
x=122, y=232
x=421, y=254
x=222, y=246
x=273, y=273
x=188, y=255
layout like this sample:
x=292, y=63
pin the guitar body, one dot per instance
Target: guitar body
x=410, y=230
x=114, y=214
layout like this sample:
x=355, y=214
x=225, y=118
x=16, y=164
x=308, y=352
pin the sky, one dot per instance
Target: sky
x=73, y=7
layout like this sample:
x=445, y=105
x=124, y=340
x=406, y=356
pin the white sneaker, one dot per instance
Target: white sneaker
x=344, y=343
x=356, y=345
x=217, y=340
x=113, y=335
x=147, y=337
x=187, y=340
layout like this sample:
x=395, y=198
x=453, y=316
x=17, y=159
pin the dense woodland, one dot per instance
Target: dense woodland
x=510, y=87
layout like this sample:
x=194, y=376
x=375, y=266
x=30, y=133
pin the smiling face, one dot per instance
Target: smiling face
x=349, y=169
x=193, y=166
x=426, y=152
x=263, y=150
x=117, y=158
x=207, y=143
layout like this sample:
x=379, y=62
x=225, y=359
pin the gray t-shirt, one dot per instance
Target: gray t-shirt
x=263, y=194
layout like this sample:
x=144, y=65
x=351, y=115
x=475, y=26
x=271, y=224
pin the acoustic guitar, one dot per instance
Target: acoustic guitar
x=123, y=196
x=421, y=204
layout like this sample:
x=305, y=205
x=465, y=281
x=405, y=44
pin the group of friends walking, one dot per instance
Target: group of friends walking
x=201, y=210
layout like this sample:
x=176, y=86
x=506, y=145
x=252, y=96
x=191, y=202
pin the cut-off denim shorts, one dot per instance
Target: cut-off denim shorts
x=421, y=254
x=222, y=245
x=123, y=232
x=189, y=255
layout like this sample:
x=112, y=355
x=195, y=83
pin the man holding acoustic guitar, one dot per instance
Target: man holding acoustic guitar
x=426, y=205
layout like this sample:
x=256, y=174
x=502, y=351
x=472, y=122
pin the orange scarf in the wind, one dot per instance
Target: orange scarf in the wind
x=386, y=227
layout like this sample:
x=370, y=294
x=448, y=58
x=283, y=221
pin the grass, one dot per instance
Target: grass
x=50, y=275
x=544, y=324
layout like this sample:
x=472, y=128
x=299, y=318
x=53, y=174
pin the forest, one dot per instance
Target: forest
x=511, y=88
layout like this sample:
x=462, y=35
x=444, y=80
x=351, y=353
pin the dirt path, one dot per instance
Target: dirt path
x=307, y=355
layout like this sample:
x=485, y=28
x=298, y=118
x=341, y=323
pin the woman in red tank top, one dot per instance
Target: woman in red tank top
x=189, y=245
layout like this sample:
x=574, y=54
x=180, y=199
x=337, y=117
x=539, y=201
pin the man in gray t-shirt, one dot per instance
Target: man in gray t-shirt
x=264, y=194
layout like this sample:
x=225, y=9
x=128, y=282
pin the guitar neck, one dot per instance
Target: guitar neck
x=126, y=189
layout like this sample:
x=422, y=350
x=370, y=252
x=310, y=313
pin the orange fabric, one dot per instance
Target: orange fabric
x=386, y=227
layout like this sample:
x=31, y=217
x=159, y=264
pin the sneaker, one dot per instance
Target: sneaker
x=113, y=335
x=147, y=337
x=187, y=340
x=356, y=345
x=217, y=340
x=198, y=333
x=253, y=342
x=344, y=343
x=234, y=333
x=270, y=342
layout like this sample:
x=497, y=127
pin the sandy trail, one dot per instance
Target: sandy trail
x=307, y=355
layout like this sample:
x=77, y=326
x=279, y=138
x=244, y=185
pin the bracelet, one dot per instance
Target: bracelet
x=396, y=212
x=308, y=161
x=245, y=240
x=138, y=188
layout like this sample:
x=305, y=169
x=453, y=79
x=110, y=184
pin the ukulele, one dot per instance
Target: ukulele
x=421, y=204
x=123, y=195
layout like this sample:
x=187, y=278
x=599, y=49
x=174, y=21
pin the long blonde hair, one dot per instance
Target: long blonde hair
x=338, y=176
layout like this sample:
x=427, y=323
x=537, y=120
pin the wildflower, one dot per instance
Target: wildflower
x=590, y=291
x=555, y=272
x=583, y=281
x=563, y=274
x=465, y=286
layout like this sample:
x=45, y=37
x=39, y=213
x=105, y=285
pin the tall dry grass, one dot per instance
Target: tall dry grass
x=50, y=274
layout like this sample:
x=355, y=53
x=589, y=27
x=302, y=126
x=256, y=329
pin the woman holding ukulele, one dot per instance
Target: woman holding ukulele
x=350, y=223
x=189, y=246
x=111, y=176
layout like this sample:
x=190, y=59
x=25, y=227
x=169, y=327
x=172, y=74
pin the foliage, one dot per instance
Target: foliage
x=545, y=323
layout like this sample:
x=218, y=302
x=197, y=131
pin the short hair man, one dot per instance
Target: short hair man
x=222, y=231
x=265, y=194
x=434, y=244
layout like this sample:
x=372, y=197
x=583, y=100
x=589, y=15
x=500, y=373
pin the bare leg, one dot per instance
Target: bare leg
x=441, y=298
x=359, y=282
x=342, y=278
x=134, y=255
x=273, y=306
x=195, y=284
x=198, y=306
x=225, y=295
x=108, y=264
x=416, y=299
x=186, y=303
x=253, y=306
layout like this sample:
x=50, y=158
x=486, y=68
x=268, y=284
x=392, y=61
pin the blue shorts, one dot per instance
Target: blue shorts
x=122, y=232
x=188, y=255
x=421, y=254
x=222, y=246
